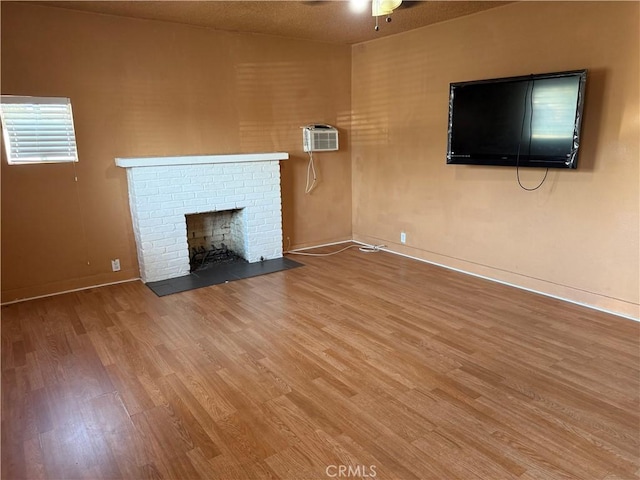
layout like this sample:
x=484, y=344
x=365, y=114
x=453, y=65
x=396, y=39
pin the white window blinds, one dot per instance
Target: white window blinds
x=38, y=130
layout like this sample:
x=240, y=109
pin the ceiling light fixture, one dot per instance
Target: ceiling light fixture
x=383, y=7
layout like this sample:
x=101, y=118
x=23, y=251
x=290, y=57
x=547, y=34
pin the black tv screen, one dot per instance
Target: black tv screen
x=527, y=121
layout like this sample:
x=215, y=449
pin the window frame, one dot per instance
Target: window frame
x=16, y=131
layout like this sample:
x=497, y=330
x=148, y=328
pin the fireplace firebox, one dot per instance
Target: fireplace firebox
x=215, y=237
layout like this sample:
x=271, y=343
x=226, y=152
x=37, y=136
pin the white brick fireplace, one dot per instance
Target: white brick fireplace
x=162, y=190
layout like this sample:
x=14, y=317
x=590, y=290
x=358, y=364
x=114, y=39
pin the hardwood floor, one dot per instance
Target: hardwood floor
x=353, y=366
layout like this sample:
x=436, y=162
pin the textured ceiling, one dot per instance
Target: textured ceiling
x=325, y=21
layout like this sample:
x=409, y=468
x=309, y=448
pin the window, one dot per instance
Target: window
x=38, y=130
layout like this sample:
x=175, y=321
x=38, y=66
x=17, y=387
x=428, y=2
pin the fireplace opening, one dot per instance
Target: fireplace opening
x=215, y=238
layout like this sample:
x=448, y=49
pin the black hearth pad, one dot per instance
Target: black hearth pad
x=223, y=273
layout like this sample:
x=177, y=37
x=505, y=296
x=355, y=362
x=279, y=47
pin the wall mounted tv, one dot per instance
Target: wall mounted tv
x=527, y=121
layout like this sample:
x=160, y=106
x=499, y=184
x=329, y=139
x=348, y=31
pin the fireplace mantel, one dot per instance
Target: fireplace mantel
x=199, y=159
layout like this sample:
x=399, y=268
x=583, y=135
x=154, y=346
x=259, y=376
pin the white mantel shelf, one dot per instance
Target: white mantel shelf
x=199, y=159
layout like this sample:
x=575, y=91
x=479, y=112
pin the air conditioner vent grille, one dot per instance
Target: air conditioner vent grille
x=319, y=138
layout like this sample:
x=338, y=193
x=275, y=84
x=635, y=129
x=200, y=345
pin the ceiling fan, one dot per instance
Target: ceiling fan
x=380, y=8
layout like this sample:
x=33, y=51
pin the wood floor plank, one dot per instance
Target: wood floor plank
x=34, y=468
x=353, y=361
x=14, y=461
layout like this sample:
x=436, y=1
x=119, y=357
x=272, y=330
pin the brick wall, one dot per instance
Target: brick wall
x=161, y=196
x=205, y=229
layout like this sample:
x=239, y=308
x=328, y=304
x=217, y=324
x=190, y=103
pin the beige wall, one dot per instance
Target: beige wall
x=151, y=88
x=576, y=237
x=141, y=88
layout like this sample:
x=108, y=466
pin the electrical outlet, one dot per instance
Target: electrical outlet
x=403, y=237
x=115, y=265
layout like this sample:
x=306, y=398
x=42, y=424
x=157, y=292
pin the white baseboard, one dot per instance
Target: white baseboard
x=320, y=246
x=69, y=291
x=384, y=249
x=592, y=307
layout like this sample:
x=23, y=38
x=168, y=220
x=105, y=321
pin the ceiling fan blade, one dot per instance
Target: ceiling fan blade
x=409, y=4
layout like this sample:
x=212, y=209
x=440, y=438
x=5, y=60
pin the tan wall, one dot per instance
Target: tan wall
x=151, y=88
x=576, y=237
x=141, y=88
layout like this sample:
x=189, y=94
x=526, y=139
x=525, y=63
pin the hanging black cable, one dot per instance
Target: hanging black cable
x=528, y=97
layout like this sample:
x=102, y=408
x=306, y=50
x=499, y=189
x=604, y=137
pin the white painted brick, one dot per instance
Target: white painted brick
x=171, y=255
x=146, y=191
x=183, y=195
x=174, y=262
x=160, y=273
x=152, y=222
x=272, y=200
x=147, y=205
x=172, y=219
x=165, y=242
x=265, y=228
x=197, y=205
x=205, y=194
x=143, y=174
x=244, y=176
x=265, y=216
x=154, y=183
x=262, y=175
x=145, y=232
x=254, y=196
x=234, y=198
x=231, y=169
x=157, y=213
x=192, y=170
x=224, y=206
x=176, y=248
x=153, y=237
x=264, y=188
x=223, y=178
x=168, y=178
x=194, y=180
x=194, y=185
x=161, y=196
x=231, y=185
x=171, y=204
x=168, y=190
x=164, y=228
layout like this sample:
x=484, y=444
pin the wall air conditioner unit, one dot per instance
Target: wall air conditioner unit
x=319, y=138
